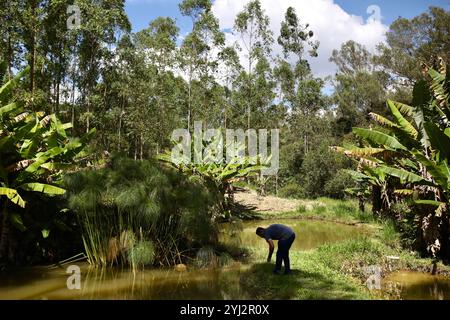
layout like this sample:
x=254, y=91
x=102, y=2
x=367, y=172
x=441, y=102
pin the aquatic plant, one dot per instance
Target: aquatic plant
x=128, y=203
x=142, y=253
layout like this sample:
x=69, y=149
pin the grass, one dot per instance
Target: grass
x=310, y=279
x=345, y=211
x=338, y=270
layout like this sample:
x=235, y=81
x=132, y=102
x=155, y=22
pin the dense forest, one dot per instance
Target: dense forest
x=88, y=109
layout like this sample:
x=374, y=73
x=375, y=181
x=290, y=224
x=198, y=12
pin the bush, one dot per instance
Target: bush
x=292, y=190
x=319, y=167
x=335, y=187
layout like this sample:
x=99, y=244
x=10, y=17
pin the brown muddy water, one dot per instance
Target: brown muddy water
x=411, y=285
x=214, y=283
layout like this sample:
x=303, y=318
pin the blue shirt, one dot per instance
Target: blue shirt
x=278, y=232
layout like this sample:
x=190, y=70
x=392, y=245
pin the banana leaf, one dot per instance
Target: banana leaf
x=42, y=188
x=13, y=196
x=379, y=138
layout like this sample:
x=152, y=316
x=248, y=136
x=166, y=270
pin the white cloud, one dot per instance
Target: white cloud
x=332, y=26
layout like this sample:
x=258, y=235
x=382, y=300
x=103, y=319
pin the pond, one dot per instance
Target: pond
x=204, y=284
x=41, y=283
x=223, y=283
x=410, y=285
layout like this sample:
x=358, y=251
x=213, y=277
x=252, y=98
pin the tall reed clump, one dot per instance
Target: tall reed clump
x=139, y=213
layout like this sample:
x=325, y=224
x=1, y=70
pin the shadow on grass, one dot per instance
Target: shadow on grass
x=244, y=212
x=261, y=283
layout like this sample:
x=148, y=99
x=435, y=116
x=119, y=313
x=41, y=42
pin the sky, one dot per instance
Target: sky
x=333, y=21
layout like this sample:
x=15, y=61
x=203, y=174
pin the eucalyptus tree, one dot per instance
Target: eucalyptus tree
x=253, y=27
x=113, y=98
x=99, y=29
x=199, y=55
x=294, y=36
x=351, y=58
x=295, y=69
x=231, y=68
x=264, y=94
x=10, y=37
x=30, y=20
x=57, y=46
x=156, y=45
x=298, y=89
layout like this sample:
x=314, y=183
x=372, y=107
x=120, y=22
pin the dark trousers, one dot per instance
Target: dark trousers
x=283, y=254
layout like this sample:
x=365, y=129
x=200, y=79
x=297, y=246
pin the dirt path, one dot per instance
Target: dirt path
x=250, y=199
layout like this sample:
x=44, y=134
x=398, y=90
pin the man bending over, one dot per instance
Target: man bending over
x=285, y=237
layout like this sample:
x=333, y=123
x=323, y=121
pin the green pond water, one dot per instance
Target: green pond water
x=309, y=234
x=213, y=283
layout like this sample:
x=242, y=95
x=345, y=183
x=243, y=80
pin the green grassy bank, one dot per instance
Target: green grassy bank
x=339, y=270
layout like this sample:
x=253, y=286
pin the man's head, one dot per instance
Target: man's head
x=260, y=231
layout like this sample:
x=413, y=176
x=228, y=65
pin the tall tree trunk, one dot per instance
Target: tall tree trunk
x=276, y=184
x=248, y=116
x=120, y=125
x=73, y=98
x=141, y=141
x=58, y=85
x=189, y=99
x=33, y=50
x=250, y=66
x=32, y=69
x=10, y=58
x=88, y=110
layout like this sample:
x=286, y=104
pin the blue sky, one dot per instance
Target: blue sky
x=141, y=12
x=333, y=21
x=393, y=9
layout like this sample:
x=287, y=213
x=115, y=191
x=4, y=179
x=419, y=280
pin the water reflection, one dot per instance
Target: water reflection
x=410, y=285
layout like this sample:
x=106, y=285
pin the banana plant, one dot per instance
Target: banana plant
x=412, y=148
x=221, y=172
x=34, y=151
x=218, y=175
x=415, y=148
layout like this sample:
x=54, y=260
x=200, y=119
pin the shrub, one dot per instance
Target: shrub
x=319, y=167
x=292, y=190
x=336, y=186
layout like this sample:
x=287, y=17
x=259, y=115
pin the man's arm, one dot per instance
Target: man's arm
x=271, y=247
